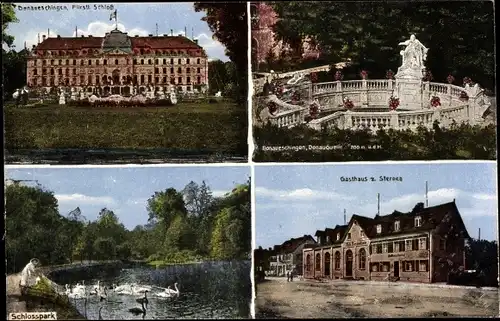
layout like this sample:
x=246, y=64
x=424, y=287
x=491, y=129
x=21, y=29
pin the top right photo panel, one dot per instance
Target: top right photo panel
x=373, y=81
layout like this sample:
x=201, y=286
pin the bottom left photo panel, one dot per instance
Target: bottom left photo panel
x=122, y=243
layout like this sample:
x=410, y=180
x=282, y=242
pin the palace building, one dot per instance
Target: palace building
x=421, y=246
x=118, y=63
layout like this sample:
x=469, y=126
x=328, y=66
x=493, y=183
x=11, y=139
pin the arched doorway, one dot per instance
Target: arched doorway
x=348, y=263
x=116, y=77
x=327, y=264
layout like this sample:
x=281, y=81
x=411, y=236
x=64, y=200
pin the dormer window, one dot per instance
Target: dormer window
x=338, y=236
x=327, y=239
x=348, y=236
x=418, y=221
x=396, y=226
x=379, y=228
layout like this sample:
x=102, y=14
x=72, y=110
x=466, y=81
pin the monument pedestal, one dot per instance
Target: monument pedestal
x=409, y=92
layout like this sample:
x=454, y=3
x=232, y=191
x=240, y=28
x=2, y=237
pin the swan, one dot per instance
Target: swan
x=170, y=291
x=139, y=289
x=144, y=299
x=138, y=311
x=165, y=295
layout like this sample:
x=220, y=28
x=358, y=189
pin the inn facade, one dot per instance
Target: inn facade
x=423, y=245
x=118, y=63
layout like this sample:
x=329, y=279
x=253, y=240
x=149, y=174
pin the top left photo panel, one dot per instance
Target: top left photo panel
x=120, y=83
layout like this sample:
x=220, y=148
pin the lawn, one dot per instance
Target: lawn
x=216, y=127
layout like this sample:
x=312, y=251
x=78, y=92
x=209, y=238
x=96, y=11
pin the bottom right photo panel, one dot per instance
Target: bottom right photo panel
x=384, y=240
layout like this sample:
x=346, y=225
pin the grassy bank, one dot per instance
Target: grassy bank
x=219, y=126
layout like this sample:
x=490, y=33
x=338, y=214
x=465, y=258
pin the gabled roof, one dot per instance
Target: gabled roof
x=332, y=233
x=292, y=244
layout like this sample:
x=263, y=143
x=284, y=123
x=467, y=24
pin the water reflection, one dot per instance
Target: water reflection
x=207, y=290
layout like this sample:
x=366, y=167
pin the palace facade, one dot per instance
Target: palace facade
x=421, y=246
x=118, y=63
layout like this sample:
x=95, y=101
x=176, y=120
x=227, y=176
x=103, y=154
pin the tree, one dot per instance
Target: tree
x=165, y=206
x=8, y=16
x=198, y=198
x=179, y=236
x=228, y=22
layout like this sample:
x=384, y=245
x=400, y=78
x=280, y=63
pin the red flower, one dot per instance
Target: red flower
x=435, y=101
x=295, y=96
x=450, y=79
x=338, y=75
x=348, y=103
x=272, y=107
x=313, y=110
x=363, y=74
x=393, y=103
x=313, y=76
x=389, y=74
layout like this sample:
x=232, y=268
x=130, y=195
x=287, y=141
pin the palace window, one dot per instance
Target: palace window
x=60, y=62
x=408, y=245
x=142, y=79
x=418, y=221
x=74, y=62
x=188, y=70
x=134, y=61
x=74, y=71
x=188, y=80
x=142, y=61
x=318, y=262
x=171, y=61
x=198, y=70
x=187, y=61
x=423, y=266
x=422, y=243
x=198, y=61
x=179, y=61
x=198, y=80
x=164, y=61
x=179, y=80
x=52, y=82
x=67, y=61
x=150, y=78
x=348, y=236
x=337, y=260
x=179, y=70
x=164, y=80
x=51, y=71
x=82, y=79
x=82, y=62
x=97, y=62
x=35, y=72
x=362, y=259
x=66, y=71
x=385, y=248
x=379, y=228
x=149, y=61
x=164, y=70
x=97, y=80
x=408, y=266
x=157, y=80
x=156, y=61
x=105, y=62
x=51, y=62
x=90, y=62
x=157, y=70
x=396, y=226
x=59, y=71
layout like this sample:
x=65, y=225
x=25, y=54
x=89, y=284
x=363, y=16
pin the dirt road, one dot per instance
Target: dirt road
x=277, y=298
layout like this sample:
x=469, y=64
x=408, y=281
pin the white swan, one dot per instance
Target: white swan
x=125, y=290
x=139, y=289
x=169, y=290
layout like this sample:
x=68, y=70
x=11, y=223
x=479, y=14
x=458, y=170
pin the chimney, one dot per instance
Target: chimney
x=58, y=36
x=150, y=35
x=195, y=41
x=378, y=204
x=82, y=36
x=43, y=37
x=172, y=32
x=479, y=235
x=345, y=218
x=426, y=194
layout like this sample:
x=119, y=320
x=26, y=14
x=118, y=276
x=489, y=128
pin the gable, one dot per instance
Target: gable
x=358, y=233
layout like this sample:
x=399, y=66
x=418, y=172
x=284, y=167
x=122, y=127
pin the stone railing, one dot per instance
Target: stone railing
x=393, y=119
x=288, y=115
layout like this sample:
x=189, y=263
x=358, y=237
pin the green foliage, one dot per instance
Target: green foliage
x=183, y=127
x=457, y=142
x=8, y=16
x=370, y=36
x=178, y=231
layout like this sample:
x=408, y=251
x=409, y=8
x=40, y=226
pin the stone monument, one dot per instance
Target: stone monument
x=410, y=73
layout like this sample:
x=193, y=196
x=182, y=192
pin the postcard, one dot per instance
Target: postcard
x=119, y=83
x=373, y=81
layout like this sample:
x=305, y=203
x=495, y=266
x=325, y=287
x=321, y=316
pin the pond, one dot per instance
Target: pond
x=207, y=290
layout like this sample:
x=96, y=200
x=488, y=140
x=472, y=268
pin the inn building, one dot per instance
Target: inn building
x=118, y=63
x=423, y=245
x=287, y=257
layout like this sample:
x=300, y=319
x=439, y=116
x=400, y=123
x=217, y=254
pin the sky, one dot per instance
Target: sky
x=292, y=201
x=136, y=19
x=124, y=190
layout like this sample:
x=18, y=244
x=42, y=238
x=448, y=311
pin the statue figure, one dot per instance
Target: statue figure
x=414, y=54
x=28, y=271
x=62, y=98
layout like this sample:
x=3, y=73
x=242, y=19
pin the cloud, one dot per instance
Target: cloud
x=219, y=193
x=100, y=28
x=80, y=199
x=481, y=203
x=303, y=194
x=137, y=201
